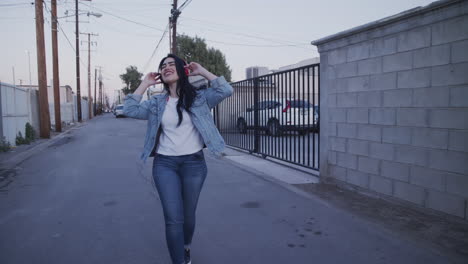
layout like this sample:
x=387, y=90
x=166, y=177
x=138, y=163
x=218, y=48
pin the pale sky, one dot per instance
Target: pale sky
x=270, y=33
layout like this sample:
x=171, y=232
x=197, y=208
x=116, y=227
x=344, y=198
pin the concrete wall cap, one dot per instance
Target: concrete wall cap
x=387, y=20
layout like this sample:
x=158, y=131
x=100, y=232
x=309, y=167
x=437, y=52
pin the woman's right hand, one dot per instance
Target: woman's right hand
x=152, y=78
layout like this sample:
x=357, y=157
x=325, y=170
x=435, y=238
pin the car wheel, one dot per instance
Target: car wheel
x=241, y=126
x=316, y=128
x=274, y=128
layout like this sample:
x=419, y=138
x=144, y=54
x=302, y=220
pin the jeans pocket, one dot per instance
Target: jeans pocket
x=198, y=155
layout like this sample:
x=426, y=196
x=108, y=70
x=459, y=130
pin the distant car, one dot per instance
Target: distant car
x=276, y=116
x=118, y=112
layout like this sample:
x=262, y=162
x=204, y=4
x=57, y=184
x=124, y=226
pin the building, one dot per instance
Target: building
x=299, y=64
x=256, y=71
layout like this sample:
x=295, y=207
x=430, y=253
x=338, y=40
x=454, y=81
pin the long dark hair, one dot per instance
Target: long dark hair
x=185, y=90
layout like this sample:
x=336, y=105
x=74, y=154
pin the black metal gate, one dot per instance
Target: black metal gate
x=275, y=115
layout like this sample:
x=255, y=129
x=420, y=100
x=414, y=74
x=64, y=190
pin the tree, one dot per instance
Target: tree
x=195, y=49
x=131, y=78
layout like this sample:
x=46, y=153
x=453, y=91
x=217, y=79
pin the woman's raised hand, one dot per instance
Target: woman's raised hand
x=197, y=69
x=152, y=78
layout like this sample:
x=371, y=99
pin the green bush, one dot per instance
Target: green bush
x=29, y=137
x=4, y=145
x=20, y=140
x=30, y=133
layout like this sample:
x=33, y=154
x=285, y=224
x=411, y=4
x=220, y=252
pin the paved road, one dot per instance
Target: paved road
x=87, y=199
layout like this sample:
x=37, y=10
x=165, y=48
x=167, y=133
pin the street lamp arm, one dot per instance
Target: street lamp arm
x=83, y=13
x=94, y=14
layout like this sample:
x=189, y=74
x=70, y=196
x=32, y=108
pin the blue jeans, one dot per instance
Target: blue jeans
x=179, y=180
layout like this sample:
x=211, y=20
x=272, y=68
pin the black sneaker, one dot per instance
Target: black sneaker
x=188, y=260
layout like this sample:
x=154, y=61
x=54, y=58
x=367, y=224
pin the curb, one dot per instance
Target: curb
x=17, y=159
x=282, y=171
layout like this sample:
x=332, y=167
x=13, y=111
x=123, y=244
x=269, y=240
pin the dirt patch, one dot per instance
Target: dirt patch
x=442, y=232
x=61, y=142
x=250, y=205
x=6, y=177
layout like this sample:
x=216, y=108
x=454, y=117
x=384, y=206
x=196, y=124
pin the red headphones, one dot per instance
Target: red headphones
x=187, y=71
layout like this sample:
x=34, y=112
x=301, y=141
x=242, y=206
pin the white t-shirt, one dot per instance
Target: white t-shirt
x=178, y=140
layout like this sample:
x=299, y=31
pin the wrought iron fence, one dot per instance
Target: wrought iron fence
x=275, y=115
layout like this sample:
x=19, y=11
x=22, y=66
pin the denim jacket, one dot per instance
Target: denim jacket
x=153, y=109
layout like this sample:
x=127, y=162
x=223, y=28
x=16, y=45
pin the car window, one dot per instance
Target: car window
x=119, y=107
x=272, y=104
x=300, y=104
x=264, y=105
x=260, y=106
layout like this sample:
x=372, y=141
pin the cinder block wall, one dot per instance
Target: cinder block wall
x=394, y=106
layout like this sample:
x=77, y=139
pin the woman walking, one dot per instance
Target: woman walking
x=179, y=126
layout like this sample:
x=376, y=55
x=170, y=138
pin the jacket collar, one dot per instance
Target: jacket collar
x=162, y=101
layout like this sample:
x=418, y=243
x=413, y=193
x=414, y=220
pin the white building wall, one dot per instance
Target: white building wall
x=15, y=111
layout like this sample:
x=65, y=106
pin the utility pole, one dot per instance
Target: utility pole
x=100, y=92
x=30, y=87
x=55, y=65
x=170, y=36
x=29, y=62
x=1, y=114
x=77, y=48
x=44, y=116
x=95, y=101
x=90, y=99
x=175, y=14
x=101, y=97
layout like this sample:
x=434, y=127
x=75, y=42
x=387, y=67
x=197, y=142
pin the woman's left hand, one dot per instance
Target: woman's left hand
x=197, y=69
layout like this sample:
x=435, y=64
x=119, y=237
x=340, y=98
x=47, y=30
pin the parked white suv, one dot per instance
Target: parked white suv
x=119, y=111
x=278, y=115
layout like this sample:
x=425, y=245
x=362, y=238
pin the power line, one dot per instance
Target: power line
x=18, y=4
x=184, y=5
x=133, y=3
x=251, y=45
x=17, y=18
x=66, y=37
x=242, y=34
x=122, y=18
x=285, y=43
x=260, y=45
x=64, y=34
x=111, y=28
x=156, y=48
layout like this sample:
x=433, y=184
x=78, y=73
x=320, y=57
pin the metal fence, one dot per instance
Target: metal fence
x=275, y=115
